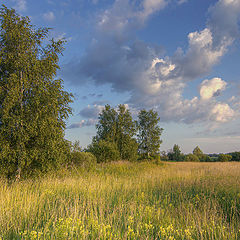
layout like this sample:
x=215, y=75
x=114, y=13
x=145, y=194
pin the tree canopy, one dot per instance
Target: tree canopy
x=149, y=132
x=33, y=103
x=118, y=128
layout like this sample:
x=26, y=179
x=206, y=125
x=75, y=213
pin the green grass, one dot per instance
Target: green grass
x=126, y=201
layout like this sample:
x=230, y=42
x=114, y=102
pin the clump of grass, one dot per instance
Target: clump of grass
x=126, y=201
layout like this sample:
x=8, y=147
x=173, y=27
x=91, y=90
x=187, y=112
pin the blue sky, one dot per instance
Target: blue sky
x=179, y=57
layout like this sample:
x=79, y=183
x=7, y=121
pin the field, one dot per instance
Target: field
x=126, y=201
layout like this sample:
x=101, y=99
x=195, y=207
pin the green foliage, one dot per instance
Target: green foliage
x=206, y=158
x=175, y=154
x=197, y=151
x=224, y=158
x=235, y=156
x=104, y=151
x=148, y=133
x=202, y=157
x=33, y=104
x=84, y=159
x=107, y=125
x=117, y=127
x=164, y=156
x=125, y=131
x=191, y=158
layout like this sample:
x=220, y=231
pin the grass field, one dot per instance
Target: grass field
x=126, y=201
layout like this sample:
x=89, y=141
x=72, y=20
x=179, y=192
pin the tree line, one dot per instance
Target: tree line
x=120, y=137
x=197, y=155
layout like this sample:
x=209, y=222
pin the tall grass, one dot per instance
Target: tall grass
x=126, y=201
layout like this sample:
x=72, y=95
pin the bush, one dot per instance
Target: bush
x=191, y=158
x=235, y=156
x=83, y=159
x=104, y=151
x=205, y=158
x=224, y=158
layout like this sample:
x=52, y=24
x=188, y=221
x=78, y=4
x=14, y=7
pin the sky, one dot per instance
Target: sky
x=178, y=57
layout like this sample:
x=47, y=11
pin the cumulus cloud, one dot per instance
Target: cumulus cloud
x=49, y=16
x=115, y=56
x=211, y=88
x=222, y=112
x=91, y=111
x=83, y=123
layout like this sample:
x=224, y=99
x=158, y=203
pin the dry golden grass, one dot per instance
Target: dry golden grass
x=126, y=201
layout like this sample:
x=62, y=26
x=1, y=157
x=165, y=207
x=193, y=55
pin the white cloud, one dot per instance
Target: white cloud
x=151, y=6
x=20, y=5
x=157, y=81
x=210, y=88
x=83, y=123
x=49, y=16
x=222, y=112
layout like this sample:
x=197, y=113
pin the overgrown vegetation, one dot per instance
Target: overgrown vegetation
x=126, y=200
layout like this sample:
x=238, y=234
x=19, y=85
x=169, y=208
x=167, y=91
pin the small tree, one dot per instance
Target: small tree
x=107, y=125
x=175, y=154
x=118, y=127
x=199, y=153
x=149, y=133
x=126, y=129
x=33, y=104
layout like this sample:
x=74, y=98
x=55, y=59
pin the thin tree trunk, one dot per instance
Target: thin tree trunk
x=19, y=170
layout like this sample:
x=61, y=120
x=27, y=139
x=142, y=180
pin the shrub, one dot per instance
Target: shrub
x=83, y=159
x=191, y=158
x=206, y=158
x=235, y=156
x=104, y=151
x=224, y=158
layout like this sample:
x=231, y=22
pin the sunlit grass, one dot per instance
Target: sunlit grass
x=126, y=201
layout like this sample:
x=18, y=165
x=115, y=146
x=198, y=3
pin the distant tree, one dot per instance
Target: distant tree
x=149, y=133
x=33, y=104
x=191, y=158
x=206, y=158
x=118, y=127
x=125, y=131
x=197, y=151
x=164, y=156
x=175, y=154
x=224, y=158
x=107, y=125
x=235, y=156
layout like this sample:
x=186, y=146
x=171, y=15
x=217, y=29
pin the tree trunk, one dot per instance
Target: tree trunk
x=18, y=175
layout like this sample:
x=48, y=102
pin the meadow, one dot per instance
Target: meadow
x=125, y=201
